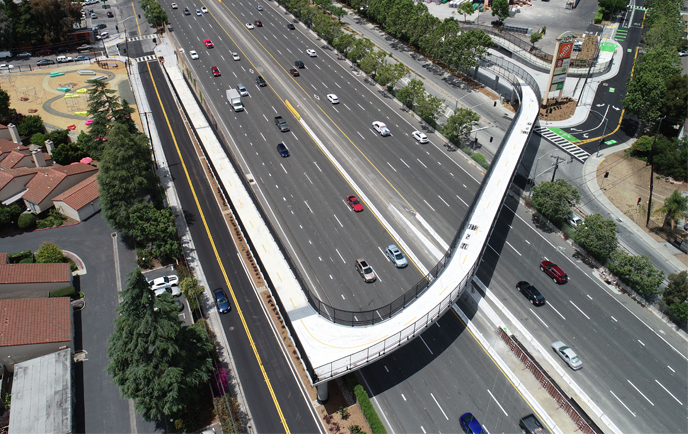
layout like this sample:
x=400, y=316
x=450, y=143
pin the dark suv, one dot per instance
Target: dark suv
x=531, y=425
x=187, y=11
x=299, y=64
x=260, y=81
x=531, y=293
x=553, y=271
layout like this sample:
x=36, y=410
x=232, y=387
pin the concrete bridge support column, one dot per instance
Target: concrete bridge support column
x=514, y=97
x=323, y=393
x=496, y=84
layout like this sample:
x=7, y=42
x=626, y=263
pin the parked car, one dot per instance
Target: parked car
x=172, y=290
x=6, y=67
x=45, y=62
x=354, y=203
x=163, y=282
x=110, y=15
x=24, y=55
x=552, y=270
x=81, y=57
x=365, y=270
x=221, y=300
x=531, y=293
x=567, y=355
x=63, y=50
x=84, y=47
x=44, y=52
x=470, y=424
x=575, y=220
x=394, y=254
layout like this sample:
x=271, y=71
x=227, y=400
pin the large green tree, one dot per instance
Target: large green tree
x=5, y=109
x=68, y=153
x=155, y=361
x=344, y=43
x=155, y=229
x=555, y=199
x=459, y=125
x=106, y=111
x=9, y=214
x=644, y=97
x=359, y=49
x=612, y=6
x=372, y=62
x=412, y=92
x=675, y=296
x=192, y=291
x=466, y=9
x=674, y=208
x=597, y=236
x=637, y=271
x=429, y=108
x=500, y=8
x=390, y=73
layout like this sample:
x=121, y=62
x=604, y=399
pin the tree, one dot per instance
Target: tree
x=597, y=236
x=674, y=208
x=637, y=271
x=372, y=62
x=460, y=124
x=69, y=153
x=500, y=8
x=49, y=253
x=126, y=177
x=612, y=6
x=344, y=43
x=360, y=48
x=192, y=291
x=5, y=109
x=429, y=108
x=153, y=360
x=155, y=229
x=535, y=37
x=105, y=111
x=466, y=9
x=409, y=94
x=9, y=214
x=555, y=199
x=390, y=73
x=676, y=291
x=31, y=125
x=472, y=47
x=676, y=98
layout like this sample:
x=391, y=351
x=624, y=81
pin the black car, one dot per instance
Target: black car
x=187, y=11
x=101, y=26
x=531, y=293
x=299, y=64
x=260, y=81
x=531, y=425
x=45, y=62
x=110, y=15
x=63, y=50
x=290, y=26
x=283, y=151
x=221, y=300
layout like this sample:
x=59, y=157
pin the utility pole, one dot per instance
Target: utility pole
x=556, y=166
x=652, y=173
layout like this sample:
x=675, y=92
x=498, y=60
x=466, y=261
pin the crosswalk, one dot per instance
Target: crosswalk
x=566, y=145
x=144, y=59
x=140, y=38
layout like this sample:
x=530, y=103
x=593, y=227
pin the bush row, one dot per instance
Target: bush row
x=369, y=412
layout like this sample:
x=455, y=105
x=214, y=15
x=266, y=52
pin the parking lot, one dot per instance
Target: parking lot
x=184, y=313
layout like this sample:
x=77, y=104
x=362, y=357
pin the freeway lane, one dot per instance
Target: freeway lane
x=293, y=405
x=634, y=366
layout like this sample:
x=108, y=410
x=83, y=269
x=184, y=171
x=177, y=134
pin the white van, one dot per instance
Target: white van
x=64, y=59
x=103, y=35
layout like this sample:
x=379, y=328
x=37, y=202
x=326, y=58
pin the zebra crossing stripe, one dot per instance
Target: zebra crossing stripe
x=565, y=145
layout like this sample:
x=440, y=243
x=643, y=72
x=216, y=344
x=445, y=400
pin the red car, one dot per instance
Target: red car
x=44, y=52
x=294, y=72
x=208, y=43
x=354, y=203
x=258, y=23
x=216, y=71
x=553, y=271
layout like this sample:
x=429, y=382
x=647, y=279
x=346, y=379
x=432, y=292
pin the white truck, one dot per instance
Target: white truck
x=235, y=100
x=5, y=54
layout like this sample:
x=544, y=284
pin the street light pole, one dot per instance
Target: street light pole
x=652, y=173
x=530, y=193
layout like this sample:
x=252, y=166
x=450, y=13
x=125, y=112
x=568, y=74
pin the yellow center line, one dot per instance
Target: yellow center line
x=219, y=261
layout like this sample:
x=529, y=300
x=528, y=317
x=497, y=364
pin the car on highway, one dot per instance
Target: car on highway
x=470, y=424
x=174, y=5
x=249, y=26
x=6, y=67
x=283, y=150
x=531, y=425
x=172, y=290
x=24, y=55
x=208, y=43
x=552, y=270
x=198, y=13
x=163, y=282
x=381, y=128
x=193, y=54
x=299, y=64
x=44, y=52
x=365, y=270
x=260, y=81
x=221, y=300
x=567, y=355
x=394, y=254
x=187, y=11
x=290, y=26
x=311, y=53
x=81, y=57
x=259, y=7
x=235, y=56
x=242, y=89
x=258, y=23
x=333, y=98
x=45, y=62
x=294, y=72
x=531, y=293
x=354, y=203
x=216, y=71
x=420, y=137
x=110, y=15
x=204, y=10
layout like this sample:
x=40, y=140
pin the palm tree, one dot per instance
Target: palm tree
x=674, y=208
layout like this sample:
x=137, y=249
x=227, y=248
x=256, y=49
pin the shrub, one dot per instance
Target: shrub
x=144, y=258
x=15, y=258
x=45, y=224
x=31, y=125
x=68, y=291
x=49, y=253
x=229, y=416
x=26, y=221
x=26, y=261
x=369, y=412
x=480, y=160
x=599, y=16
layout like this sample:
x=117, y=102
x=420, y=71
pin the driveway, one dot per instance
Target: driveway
x=98, y=407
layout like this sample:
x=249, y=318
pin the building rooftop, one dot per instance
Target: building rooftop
x=44, y=183
x=34, y=273
x=29, y=321
x=81, y=194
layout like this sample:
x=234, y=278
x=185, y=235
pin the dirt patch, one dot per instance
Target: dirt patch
x=628, y=181
x=558, y=110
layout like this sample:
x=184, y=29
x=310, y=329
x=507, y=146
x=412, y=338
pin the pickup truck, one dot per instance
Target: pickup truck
x=282, y=124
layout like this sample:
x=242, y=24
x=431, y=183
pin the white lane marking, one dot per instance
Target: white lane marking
x=464, y=202
x=671, y=394
x=405, y=163
x=307, y=177
x=424, y=432
x=386, y=369
x=340, y=223
x=426, y=345
x=495, y=400
x=672, y=369
x=579, y=310
x=342, y=258
x=316, y=165
x=519, y=254
x=641, y=342
x=536, y=316
x=283, y=168
x=562, y=316
x=347, y=106
x=426, y=202
x=402, y=395
x=641, y=393
x=615, y=320
x=440, y=407
x=392, y=167
x=622, y=403
x=360, y=106
x=421, y=163
x=264, y=139
x=359, y=133
x=527, y=241
x=445, y=202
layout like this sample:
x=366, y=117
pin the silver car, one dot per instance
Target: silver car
x=395, y=255
x=567, y=355
x=365, y=270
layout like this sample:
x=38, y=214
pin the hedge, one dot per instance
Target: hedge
x=599, y=16
x=480, y=160
x=16, y=258
x=64, y=292
x=369, y=412
x=26, y=261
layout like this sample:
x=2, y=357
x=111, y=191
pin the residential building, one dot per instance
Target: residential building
x=81, y=201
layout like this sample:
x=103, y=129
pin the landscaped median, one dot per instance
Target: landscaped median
x=369, y=411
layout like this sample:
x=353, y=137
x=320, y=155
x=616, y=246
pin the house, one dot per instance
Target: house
x=81, y=201
x=52, y=182
x=33, y=280
x=13, y=183
x=15, y=155
x=34, y=327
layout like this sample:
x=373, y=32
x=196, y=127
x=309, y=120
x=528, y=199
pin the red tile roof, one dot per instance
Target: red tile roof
x=8, y=145
x=7, y=175
x=35, y=321
x=13, y=158
x=3, y=258
x=46, y=182
x=81, y=194
x=34, y=273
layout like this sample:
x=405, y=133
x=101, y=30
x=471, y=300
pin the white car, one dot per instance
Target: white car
x=193, y=54
x=235, y=56
x=575, y=220
x=333, y=98
x=683, y=53
x=312, y=53
x=204, y=10
x=174, y=5
x=259, y=7
x=198, y=12
x=420, y=137
x=5, y=66
x=381, y=128
x=163, y=282
x=172, y=290
x=567, y=355
x=249, y=26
